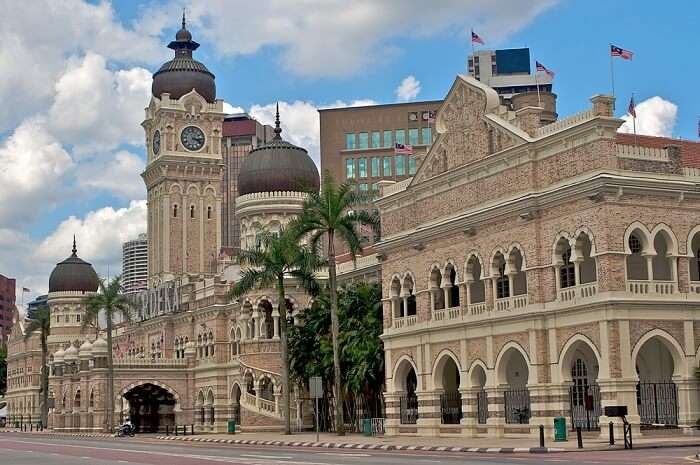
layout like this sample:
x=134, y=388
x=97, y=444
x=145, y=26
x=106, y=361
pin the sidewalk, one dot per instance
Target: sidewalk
x=452, y=444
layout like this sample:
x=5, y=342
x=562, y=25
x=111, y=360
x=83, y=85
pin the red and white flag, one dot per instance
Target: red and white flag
x=542, y=68
x=403, y=148
x=620, y=52
x=476, y=39
x=630, y=108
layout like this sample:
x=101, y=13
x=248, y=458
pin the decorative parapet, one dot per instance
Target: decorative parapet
x=359, y=264
x=271, y=195
x=565, y=123
x=150, y=363
x=690, y=171
x=637, y=152
x=396, y=187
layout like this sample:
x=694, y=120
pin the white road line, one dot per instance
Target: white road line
x=279, y=457
x=341, y=454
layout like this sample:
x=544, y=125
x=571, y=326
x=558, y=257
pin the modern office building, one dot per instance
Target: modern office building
x=241, y=134
x=509, y=73
x=135, y=264
x=36, y=303
x=357, y=144
x=7, y=305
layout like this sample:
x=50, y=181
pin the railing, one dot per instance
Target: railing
x=651, y=287
x=408, y=409
x=689, y=171
x=642, y=153
x=442, y=314
x=149, y=363
x=582, y=291
x=249, y=399
x=450, y=408
x=694, y=287
x=478, y=308
x=516, y=404
x=439, y=315
x=453, y=313
x=267, y=405
x=565, y=123
x=405, y=322
x=508, y=304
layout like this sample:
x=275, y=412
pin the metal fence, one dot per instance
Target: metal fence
x=451, y=408
x=658, y=403
x=585, y=406
x=409, y=409
x=517, y=406
x=482, y=407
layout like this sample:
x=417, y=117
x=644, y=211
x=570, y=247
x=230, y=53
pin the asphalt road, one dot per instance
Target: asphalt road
x=18, y=449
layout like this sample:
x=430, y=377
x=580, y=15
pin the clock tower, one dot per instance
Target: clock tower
x=183, y=175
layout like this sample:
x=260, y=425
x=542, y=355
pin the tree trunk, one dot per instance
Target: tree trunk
x=339, y=421
x=284, y=352
x=44, y=378
x=109, y=405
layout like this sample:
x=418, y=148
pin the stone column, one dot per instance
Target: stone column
x=256, y=324
x=489, y=293
x=650, y=267
x=276, y=321
x=496, y=420
x=392, y=405
x=429, y=417
x=470, y=411
x=446, y=290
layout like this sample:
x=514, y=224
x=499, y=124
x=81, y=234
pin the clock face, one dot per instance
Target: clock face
x=156, y=142
x=192, y=138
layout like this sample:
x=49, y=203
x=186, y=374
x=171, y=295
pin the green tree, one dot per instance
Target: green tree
x=109, y=302
x=40, y=323
x=277, y=257
x=328, y=215
x=362, y=354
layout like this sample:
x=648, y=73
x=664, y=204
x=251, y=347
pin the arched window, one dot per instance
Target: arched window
x=175, y=211
x=662, y=261
x=637, y=268
x=567, y=270
x=438, y=295
x=502, y=284
x=477, y=292
x=454, y=288
x=191, y=211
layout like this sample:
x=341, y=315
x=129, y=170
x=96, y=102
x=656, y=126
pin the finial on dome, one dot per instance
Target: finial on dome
x=278, y=128
x=183, y=18
x=75, y=249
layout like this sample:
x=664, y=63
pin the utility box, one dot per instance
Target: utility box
x=560, y=429
x=231, y=426
x=367, y=426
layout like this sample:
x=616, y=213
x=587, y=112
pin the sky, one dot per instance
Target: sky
x=76, y=77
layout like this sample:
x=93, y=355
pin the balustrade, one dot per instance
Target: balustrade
x=651, y=287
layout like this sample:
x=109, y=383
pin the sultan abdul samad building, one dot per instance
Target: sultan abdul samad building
x=530, y=269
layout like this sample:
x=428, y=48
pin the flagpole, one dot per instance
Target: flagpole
x=471, y=39
x=634, y=123
x=612, y=70
x=537, y=83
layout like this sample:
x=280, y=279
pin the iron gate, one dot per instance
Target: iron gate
x=482, y=407
x=517, y=406
x=409, y=409
x=658, y=403
x=584, y=401
x=451, y=408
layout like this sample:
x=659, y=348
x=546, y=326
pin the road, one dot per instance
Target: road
x=18, y=449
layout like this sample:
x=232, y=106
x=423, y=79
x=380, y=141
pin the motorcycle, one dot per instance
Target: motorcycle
x=125, y=430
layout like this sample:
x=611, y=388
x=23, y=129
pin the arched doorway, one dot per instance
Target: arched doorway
x=580, y=369
x=406, y=382
x=447, y=379
x=151, y=408
x=236, y=404
x=513, y=372
x=657, y=394
x=478, y=382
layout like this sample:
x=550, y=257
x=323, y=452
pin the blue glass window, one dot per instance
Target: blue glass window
x=400, y=165
x=413, y=136
x=362, y=167
x=376, y=139
x=400, y=136
x=350, y=141
x=427, y=135
x=387, y=166
x=349, y=168
x=411, y=166
x=364, y=140
x=375, y=167
x=388, y=139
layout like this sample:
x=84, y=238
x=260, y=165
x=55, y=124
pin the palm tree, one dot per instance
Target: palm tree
x=109, y=302
x=278, y=256
x=329, y=215
x=40, y=321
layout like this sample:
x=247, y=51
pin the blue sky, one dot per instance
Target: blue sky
x=70, y=130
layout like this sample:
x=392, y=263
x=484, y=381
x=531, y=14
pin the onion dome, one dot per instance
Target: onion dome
x=73, y=274
x=58, y=356
x=277, y=166
x=71, y=353
x=99, y=347
x=183, y=73
x=86, y=349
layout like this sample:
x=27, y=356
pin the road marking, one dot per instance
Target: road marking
x=280, y=457
x=342, y=454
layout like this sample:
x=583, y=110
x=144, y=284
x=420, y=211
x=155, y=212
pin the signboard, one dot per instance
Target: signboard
x=316, y=387
x=157, y=301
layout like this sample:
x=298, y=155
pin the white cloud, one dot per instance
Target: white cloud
x=300, y=121
x=230, y=109
x=96, y=109
x=655, y=117
x=119, y=173
x=99, y=235
x=336, y=38
x=408, y=89
x=33, y=167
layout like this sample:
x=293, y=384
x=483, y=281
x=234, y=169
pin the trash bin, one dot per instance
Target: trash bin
x=231, y=426
x=560, y=429
x=367, y=426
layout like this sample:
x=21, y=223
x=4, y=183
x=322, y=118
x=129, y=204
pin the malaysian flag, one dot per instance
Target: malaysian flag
x=620, y=52
x=542, y=68
x=403, y=148
x=630, y=108
x=26, y=289
x=476, y=39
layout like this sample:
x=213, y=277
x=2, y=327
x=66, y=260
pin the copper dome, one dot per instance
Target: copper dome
x=73, y=274
x=277, y=167
x=183, y=73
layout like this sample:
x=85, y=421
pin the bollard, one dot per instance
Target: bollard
x=167, y=430
x=542, y=436
x=175, y=430
x=579, y=438
x=612, y=434
x=192, y=429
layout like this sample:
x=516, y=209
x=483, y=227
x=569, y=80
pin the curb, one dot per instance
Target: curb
x=49, y=432
x=385, y=447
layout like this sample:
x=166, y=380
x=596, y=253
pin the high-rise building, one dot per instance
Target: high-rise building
x=241, y=134
x=7, y=305
x=509, y=73
x=358, y=144
x=135, y=264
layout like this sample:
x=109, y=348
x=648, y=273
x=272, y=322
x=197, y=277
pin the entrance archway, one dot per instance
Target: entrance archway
x=236, y=404
x=151, y=408
x=406, y=382
x=513, y=372
x=656, y=363
x=447, y=379
x=579, y=365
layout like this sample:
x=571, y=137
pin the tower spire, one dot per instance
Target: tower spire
x=75, y=249
x=183, y=18
x=278, y=128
